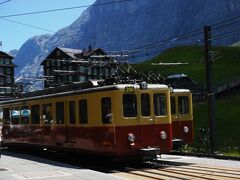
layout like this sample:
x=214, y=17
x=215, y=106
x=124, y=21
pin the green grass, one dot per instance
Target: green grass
x=227, y=123
x=226, y=63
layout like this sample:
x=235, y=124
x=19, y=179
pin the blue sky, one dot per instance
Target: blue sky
x=14, y=35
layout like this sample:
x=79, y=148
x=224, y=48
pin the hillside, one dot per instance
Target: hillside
x=226, y=63
x=227, y=121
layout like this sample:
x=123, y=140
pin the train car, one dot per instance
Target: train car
x=182, y=117
x=123, y=120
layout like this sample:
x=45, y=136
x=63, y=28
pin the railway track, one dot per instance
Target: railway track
x=171, y=170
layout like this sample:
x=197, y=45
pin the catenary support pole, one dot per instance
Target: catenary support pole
x=210, y=88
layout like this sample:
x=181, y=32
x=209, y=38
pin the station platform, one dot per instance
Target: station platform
x=14, y=166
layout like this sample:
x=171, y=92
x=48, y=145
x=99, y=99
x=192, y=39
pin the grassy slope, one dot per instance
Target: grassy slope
x=227, y=120
x=226, y=66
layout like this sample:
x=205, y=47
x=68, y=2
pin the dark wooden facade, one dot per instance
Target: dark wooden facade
x=66, y=66
x=6, y=74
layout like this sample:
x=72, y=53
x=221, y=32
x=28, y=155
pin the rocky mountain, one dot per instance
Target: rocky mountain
x=13, y=52
x=130, y=25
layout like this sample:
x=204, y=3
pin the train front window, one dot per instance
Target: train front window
x=15, y=115
x=47, y=113
x=60, y=112
x=35, y=114
x=160, y=108
x=25, y=113
x=173, y=105
x=183, y=104
x=83, y=112
x=72, y=116
x=6, y=115
x=145, y=104
x=129, y=105
x=106, y=110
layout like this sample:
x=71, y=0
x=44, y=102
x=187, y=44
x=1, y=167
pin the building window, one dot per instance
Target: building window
x=35, y=114
x=48, y=72
x=58, y=63
x=7, y=61
x=106, y=110
x=60, y=112
x=129, y=105
x=1, y=70
x=47, y=63
x=8, y=70
x=1, y=80
x=1, y=61
x=145, y=104
x=83, y=112
x=8, y=80
x=72, y=118
x=70, y=78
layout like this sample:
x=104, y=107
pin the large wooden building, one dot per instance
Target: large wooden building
x=6, y=74
x=66, y=66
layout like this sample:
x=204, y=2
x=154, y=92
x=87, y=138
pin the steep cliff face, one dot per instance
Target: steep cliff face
x=129, y=25
x=136, y=23
x=31, y=50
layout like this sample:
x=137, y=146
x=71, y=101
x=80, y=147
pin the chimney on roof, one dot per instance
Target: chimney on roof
x=89, y=48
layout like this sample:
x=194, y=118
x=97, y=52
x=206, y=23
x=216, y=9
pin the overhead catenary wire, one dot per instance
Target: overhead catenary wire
x=64, y=9
x=28, y=25
x=4, y=2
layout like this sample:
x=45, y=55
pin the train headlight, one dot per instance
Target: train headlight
x=163, y=135
x=143, y=85
x=185, y=129
x=131, y=137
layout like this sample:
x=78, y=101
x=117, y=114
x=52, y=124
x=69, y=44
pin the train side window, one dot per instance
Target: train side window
x=15, y=115
x=35, y=114
x=83, y=112
x=60, y=113
x=129, y=105
x=72, y=114
x=145, y=104
x=160, y=108
x=6, y=116
x=183, y=104
x=47, y=113
x=173, y=105
x=25, y=113
x=106, y=110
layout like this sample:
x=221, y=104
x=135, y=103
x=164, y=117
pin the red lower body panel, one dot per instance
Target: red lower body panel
x=179, y=133
x=110, y=140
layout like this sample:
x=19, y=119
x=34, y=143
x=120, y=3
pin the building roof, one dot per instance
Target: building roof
x=3, y=54
x=71, y=52
x=74, y=53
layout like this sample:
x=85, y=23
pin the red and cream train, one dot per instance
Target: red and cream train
x=122, y=120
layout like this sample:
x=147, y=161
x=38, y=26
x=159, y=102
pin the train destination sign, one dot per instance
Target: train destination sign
x=129, y=89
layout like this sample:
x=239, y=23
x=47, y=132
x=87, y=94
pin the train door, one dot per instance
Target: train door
x=147, y=119
x=59, y=128
x=185, y=116
x=176, y=122
x=71, y=129
x=109, y=131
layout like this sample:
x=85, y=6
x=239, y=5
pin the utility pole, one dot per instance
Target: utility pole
x=210, y=88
